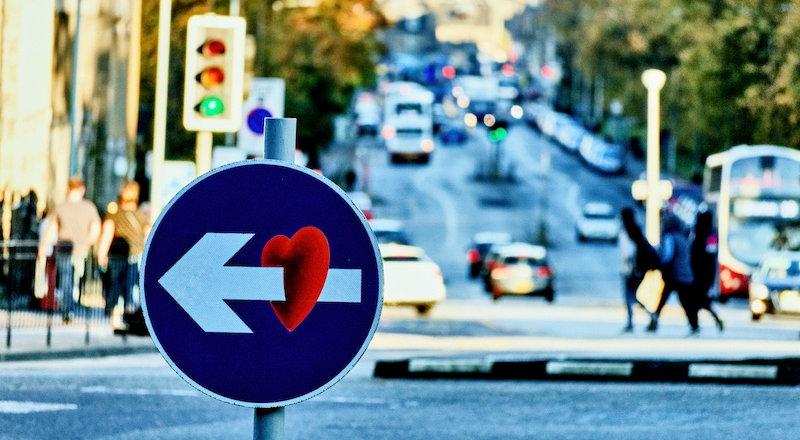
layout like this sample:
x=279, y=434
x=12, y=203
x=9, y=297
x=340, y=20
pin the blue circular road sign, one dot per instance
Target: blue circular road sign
x=262, y=283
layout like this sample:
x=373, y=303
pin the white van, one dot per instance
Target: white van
x=408, y=123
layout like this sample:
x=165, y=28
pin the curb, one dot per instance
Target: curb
x=87, y=352
x=748, y=371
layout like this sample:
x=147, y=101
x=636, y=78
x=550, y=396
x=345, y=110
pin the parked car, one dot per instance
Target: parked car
x=363, y=202
x=569, y=133
x=389, y=231
x=775, y=285
x=410, y=278
x=521, y=269
x=480, y=246
x=597, y=221
x=603, y=156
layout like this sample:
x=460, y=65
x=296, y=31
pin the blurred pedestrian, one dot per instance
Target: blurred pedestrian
x=121, y=245
x=677, y=271
x=704, y=265
x=74, y=227
x=638, y=256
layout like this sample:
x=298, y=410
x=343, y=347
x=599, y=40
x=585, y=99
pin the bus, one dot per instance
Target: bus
x=754, y=193
x=408, y=122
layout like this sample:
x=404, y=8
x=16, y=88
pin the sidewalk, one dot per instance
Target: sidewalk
x=69, y=342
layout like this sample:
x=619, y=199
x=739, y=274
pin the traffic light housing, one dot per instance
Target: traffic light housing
x=212, y=93
x=498, y=131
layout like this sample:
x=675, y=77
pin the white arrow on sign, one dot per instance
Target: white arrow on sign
x=200, y=282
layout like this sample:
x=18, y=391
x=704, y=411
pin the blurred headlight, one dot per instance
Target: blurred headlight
x=758, y=290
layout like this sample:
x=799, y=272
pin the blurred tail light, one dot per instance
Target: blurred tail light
x=544, y=272
x=368, y=214
x=731, y=281
x=473, y=256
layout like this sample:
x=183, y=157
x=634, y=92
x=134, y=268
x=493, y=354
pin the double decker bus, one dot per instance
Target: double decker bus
x=754, y=192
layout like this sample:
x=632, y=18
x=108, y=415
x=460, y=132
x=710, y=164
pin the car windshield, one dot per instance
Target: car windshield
x=403, y=258
x=385, y=236
x=530, y=261
x=409, y=132
x=600, y=216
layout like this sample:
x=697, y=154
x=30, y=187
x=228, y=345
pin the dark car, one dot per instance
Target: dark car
x=453, y=133
x=480, y=247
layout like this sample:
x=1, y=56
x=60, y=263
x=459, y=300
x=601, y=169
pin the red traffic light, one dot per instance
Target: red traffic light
x=212, y=48
x=210, y=77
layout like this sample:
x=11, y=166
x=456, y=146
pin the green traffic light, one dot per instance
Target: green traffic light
x=498, y=134
x=211, y=106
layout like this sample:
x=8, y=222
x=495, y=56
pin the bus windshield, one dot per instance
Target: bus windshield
x=765, y=175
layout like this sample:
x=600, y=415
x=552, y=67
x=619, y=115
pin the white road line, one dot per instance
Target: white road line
x=449, y=366
x=556, y=368
x=727, y=371
x=449, y=209
x=139, y=391
x=23, y=407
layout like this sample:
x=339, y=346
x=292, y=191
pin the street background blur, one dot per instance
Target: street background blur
x=490, y=144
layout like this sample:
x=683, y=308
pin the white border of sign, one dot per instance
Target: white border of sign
x=375, y=249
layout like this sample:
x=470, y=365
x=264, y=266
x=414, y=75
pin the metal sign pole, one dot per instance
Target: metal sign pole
x=279, y=143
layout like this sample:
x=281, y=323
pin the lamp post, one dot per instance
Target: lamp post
x=653, y=190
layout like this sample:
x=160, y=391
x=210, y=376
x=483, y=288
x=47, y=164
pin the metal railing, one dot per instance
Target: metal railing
x=65, y=289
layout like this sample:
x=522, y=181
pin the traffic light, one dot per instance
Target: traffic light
x=498, y=131
x=212, y=94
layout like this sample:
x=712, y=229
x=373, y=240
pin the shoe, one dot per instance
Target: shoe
x=693, y=332
x=720, y=325
x=627, y=329
x=653, y=326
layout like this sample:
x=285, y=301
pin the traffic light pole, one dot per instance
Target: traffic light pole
x=202, y=155
x=279, y=143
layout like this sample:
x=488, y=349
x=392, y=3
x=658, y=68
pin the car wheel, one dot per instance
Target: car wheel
x=755, y=316
x=580, y=237
x=394, y=158
x=549, y=295
x=424, y=309
x=425, y=158
x=474, y=271
x=723, y=299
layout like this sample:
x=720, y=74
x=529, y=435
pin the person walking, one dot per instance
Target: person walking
x=638, y=256
x=75, y=225
x=120, y=247
x=704, y=265
x=677, y=272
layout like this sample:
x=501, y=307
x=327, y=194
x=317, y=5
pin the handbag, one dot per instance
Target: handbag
x=650, y=289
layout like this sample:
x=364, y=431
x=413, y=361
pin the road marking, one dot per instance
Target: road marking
x=449, y=366
x=139, y=391
x=449, y=209
x=733, y=371
x=556, y=368
x=23, y=407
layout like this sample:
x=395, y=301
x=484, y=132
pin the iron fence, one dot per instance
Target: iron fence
x=65, y=288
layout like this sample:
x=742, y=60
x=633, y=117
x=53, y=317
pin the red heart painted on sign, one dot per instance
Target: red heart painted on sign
x=305, y=259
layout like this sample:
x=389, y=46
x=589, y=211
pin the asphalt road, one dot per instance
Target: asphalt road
x=139, y=397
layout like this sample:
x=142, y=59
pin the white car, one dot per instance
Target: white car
x=598, y=221
x=410, y=278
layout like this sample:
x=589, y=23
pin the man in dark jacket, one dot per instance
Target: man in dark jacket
x=676, y=270
x=704, y=265
x=638, y=256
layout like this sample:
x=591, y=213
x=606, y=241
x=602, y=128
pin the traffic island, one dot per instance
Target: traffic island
x=785, y=371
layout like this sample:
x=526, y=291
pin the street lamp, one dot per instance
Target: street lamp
x=653, y=190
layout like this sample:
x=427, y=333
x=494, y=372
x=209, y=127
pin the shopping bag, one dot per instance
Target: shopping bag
x=649, y=291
